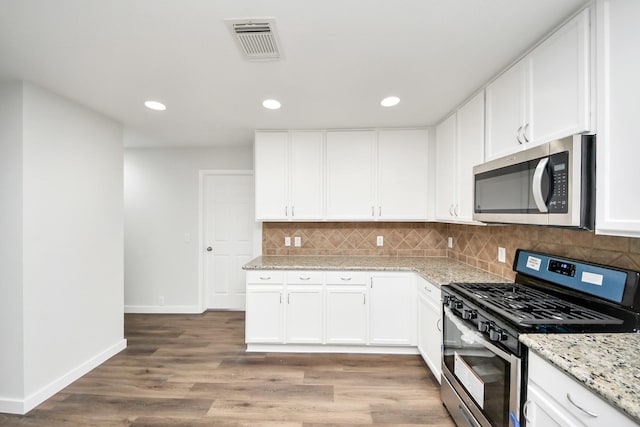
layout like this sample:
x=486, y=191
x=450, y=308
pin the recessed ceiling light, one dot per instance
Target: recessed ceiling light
x=390, y=101
x=155, y=105
x=271, y=104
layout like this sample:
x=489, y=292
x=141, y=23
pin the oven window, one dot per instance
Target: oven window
x=485, y=376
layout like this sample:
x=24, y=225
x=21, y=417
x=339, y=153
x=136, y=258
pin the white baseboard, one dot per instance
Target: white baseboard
x=164, y=309
x=324, y=348
x=21, y=407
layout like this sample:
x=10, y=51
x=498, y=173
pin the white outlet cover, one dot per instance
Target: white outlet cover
x=287, y=241
x=450, y=242
x=380, y=241
x=297, y=241
x=502, y=254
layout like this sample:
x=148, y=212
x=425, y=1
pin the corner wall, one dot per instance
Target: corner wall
x=161, y=224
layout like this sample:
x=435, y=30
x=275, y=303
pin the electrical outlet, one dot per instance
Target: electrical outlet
x=187, y=237
x=450, y=242
x=297, y=241
x=502, y=254
x=287, y=241
x=380, y=241
x=160, y=300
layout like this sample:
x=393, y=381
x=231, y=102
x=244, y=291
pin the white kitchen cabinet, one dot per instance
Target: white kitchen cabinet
x=459, y=147
x=392, y=309
x=264, y=314
x=402, y=175
x=617, y=205
x=446, y=168
x=430, y=325
x=556, y=399
x=289, y=175
x=350, y=175
x=544, y=96
x=305, y=314
x=346, y=314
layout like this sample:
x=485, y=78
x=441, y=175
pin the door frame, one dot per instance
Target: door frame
x=257, y=230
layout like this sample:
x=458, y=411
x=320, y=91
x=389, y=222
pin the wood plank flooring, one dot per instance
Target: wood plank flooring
x=192, y=370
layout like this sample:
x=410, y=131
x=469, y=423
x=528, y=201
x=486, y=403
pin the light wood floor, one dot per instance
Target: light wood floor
x=192, y=370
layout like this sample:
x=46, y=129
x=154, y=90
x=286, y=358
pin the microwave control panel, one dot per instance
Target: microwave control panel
x=559, y=173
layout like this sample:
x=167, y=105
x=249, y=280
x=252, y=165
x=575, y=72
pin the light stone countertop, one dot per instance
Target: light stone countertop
x=608, y=364
x=437, y=270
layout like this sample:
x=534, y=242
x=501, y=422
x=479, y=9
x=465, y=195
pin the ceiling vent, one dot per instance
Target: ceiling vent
x=256, y=37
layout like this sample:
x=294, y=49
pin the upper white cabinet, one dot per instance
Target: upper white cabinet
x=544, y=96
x=617, y=206
x=402, y=175
x=288, y=174
x=350, y=175
x=459, y=147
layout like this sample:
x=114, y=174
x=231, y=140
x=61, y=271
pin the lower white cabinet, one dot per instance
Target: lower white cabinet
x=430, y=325
x=556, y=399
x=392, y=312
x=264, y=313
x=333, y=309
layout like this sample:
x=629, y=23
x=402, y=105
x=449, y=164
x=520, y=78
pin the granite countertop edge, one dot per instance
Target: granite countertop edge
x=437, y=270
x=605, y=363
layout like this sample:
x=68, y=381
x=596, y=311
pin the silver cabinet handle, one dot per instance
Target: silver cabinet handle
x=450, y=210
x=346, y=279
x=525, y=407
x=379, y=210
x=518, y=135
x=364, y=299
x=304, y=278
x=439, y=325
x=524, y=133
x=591, y=414
x=536, y=185
x=280, y=297
x=293, y=212
x=288, y=298
x=286, y=211
x=209, y=248
x=373, y=213
x=455, y=210
x=265, y=278
x=426, y=288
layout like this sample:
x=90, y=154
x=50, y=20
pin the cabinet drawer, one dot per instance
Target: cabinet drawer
x=265, y=276
x=303, y=277
x=430, y=291
x=564, y=389
x=347, y=278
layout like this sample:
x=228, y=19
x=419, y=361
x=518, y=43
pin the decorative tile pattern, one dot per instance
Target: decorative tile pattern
x=474, y=245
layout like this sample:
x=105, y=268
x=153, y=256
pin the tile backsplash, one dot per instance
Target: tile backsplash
x=473, y=245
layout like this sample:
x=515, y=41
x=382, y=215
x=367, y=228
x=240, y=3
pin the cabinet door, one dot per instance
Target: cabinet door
x=271, y=175
x=618, y=148
x=506, y=112
x=350, y=175
x=264, y=314
x=304, y=314
x=402, y=174
x=560, y=82
x=306, y=175
x=446, y=168
x=429, y=326
x=346, y=314
x=470, y=152
x=392, y=312
x=542, y=411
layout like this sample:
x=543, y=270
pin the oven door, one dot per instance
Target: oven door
x=482, y=386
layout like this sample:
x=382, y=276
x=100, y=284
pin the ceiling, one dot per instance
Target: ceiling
x=340, y=58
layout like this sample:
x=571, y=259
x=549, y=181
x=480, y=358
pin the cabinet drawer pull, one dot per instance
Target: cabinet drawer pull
x=293, y=212
x=345, y=278
x=304, y=278
x=373, y=211
x=426, y=288
x=439, y=325
x=379, y=210
x=364, y=299
x=525, y=408
x=286, y=211
x=591, y=414
x=518, y=135
x=524, y=133
x=265, y=278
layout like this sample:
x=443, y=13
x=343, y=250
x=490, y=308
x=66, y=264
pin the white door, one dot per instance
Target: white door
x=228, y=238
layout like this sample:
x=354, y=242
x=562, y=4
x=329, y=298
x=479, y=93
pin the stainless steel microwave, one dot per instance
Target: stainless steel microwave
x=550, y=184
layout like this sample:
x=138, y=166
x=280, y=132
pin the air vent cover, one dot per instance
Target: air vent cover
x=256, y=37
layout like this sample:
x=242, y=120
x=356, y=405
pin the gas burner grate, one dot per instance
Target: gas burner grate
x=528, y=307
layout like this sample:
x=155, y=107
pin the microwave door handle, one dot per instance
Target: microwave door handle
x=537, y=185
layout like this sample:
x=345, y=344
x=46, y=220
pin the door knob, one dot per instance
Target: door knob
x=209, y=249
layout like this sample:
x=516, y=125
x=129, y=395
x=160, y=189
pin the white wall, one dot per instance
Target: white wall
x=11, y=325
x=72, y=243
x=161, y=224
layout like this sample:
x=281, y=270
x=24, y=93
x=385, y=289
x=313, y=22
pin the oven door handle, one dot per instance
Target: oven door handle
x=536, y=185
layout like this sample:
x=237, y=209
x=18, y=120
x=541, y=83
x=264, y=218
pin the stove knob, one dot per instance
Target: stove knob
x=445, y=299
x=497, y=335
x=469, y=314
x=483, y=326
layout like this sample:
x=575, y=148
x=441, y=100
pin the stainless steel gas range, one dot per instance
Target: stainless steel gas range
x=485, y=366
